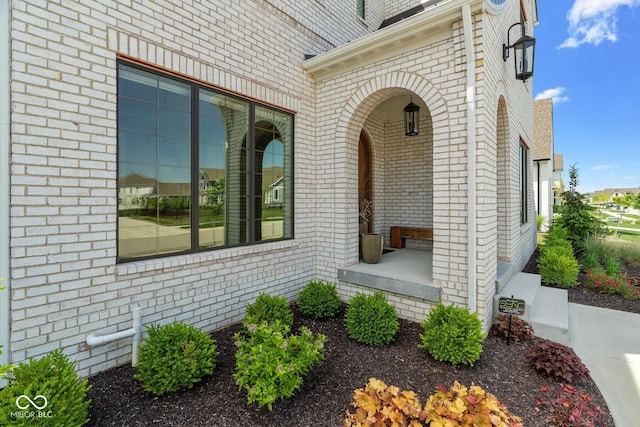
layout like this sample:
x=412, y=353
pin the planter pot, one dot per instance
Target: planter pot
x=371, y=248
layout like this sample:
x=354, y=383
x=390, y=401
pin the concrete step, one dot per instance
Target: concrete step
x=521, y=286
x=550, y=316
x=505, y=271
x=546, y=309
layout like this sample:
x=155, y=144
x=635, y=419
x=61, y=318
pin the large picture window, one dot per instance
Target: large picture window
x=198, y=169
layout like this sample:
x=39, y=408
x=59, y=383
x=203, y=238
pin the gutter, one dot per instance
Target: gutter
x=395, y=38
x=472, y=285
x=5, y=163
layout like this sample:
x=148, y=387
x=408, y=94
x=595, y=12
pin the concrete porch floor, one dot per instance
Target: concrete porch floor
x=403, y=271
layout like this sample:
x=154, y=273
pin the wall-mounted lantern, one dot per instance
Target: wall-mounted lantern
x=411, y=119
x=524, y=49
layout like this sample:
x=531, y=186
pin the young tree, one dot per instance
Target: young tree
x=625, y=201
x=576, y=215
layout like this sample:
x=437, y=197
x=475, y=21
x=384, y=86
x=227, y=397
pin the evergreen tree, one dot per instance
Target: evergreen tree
x=576, y=215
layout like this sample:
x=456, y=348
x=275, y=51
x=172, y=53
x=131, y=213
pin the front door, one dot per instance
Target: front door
x=365, y=180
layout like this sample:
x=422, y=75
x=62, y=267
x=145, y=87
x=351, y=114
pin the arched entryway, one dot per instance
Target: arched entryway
x=503, y=191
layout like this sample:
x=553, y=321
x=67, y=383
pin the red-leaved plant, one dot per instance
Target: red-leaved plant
x=600, y=281
x=556, y=361
x=515, y=329
x=569, y=408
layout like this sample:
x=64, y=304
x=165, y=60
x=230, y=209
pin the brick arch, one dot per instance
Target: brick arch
x=503, y=166
x=374, y=91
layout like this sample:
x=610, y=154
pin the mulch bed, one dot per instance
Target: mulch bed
x=119, y=400
x=582, y=295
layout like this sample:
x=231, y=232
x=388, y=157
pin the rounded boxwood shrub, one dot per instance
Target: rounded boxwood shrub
x=319, y=299
x=370, y=319
x=558, y=266
x=452, y=334
x=57, y=394
x=175, y=356
x=268, y=308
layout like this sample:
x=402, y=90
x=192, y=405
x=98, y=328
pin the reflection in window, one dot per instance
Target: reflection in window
x=524, y=173
x=175, y=154
x=154, y=164
x=360, y=5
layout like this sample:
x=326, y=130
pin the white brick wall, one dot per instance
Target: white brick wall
x=65, y=283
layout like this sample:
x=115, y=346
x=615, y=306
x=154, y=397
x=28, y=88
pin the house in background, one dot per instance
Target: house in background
x=558, y=182
x=547, y=165
x=609, y=195
x=118, y=98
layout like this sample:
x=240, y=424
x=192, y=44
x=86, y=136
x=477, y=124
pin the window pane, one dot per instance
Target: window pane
x=524, y=172
x=226, y=129
x=360, y=7
x=273, y=176
x=153, y=164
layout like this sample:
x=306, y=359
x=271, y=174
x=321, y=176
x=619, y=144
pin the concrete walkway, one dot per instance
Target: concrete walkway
x=608, y=342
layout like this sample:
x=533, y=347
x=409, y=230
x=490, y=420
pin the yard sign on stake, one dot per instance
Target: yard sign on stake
x=510, y=306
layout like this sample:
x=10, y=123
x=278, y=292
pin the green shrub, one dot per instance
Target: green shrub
x=611, y=265
x=557, y=237
x=53, y=385
x=539, y=222
x=175, y=356
x=452, y=334
x=557, y=267
x=598, y=254
x=4, y=368
x=270, y=308
x=270, y=363
x=590, y=261
x=370, y=319
x=319, y=299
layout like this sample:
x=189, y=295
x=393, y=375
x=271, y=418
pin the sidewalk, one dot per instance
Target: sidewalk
x=608, y=342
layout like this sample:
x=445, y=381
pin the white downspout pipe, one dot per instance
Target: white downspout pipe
x=471, y=157
x=135, y=331
x=5, y=164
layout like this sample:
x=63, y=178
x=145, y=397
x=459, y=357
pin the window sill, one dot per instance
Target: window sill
x=187, y=260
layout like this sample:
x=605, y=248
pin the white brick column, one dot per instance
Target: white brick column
x=5, y=164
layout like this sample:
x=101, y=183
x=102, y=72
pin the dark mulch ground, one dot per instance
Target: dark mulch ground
x=582, y=295
x=119, y=400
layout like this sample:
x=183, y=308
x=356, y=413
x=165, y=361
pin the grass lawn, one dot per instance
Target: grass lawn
x=629, y=236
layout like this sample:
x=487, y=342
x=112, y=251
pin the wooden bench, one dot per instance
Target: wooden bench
x=399, y=234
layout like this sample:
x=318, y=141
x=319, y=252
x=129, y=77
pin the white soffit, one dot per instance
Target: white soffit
x=424, y=28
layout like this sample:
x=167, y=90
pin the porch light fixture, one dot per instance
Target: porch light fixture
x=524, y=49
x=411, y=119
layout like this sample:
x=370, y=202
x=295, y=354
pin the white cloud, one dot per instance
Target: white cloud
x=593, y=21
x=629, y=178
x=555, y=93
x=600, y=167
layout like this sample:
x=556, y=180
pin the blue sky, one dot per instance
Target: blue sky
x=588, y=61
